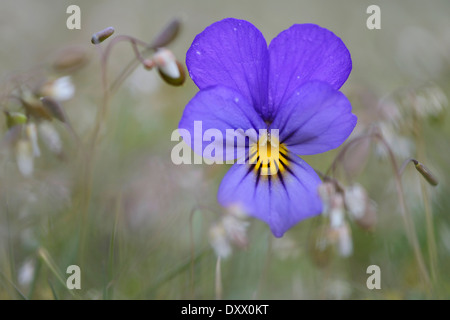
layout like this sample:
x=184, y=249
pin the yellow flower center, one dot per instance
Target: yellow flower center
x=268, y=157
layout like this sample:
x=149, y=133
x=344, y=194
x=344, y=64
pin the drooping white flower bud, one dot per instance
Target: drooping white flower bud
x=236, y=230
x=169, y=68
x=50, y=137
x=345, y=242
x=26, y=273
x=24, y=157
x=219, y=241
x=337, y=217
x=61, y=89
x=356, y=200
x=326, y=192
x=369, y=219
x=33, y=137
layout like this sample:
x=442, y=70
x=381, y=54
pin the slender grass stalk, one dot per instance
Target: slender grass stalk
x=16, y=289
x=35, y=278
x=48, y=261
x=192, y=245
x=431, y=241
x=218, y=282
x=11, y=257
x=108, y=290
x=406, y=216
x=52, y=288
x=101, y=116
x=265, y=270
x=173, y=272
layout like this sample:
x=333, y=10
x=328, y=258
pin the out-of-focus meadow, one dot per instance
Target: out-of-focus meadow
x=140, y=227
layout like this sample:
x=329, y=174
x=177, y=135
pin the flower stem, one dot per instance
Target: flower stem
x=219, y=290
x=407, y=220
x=406, y=216
x=432, y=251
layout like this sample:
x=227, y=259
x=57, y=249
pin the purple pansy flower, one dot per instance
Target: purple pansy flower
x=292, y=86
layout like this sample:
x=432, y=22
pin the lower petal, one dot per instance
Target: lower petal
x=281, y=200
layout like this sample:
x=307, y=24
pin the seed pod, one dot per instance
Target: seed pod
x=426, y=173
x=167, y=35
x=70, y=59
x=102, y=35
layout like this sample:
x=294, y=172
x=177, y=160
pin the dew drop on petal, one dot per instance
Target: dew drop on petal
x=198, y=52
x=236, y=99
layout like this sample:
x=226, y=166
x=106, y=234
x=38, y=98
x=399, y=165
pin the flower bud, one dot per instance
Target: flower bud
x=31, y=132
x=219, y=241
x=50, y=137
x=236, y=230
x=326, y=192
x=345, y=242
x=369, y=219
x=24, y=157
x=26, y=273
x=102, y=35
x=356, y=200
x=61, y=89
x=337, y=211
x=169, y=68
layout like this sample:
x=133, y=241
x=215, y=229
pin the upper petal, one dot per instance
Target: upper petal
x=279, y=202
x=231, y=53
x=213, y=111
x=315, y=119
x=305, y=52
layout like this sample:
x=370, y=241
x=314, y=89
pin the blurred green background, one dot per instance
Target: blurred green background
x=132, y=226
